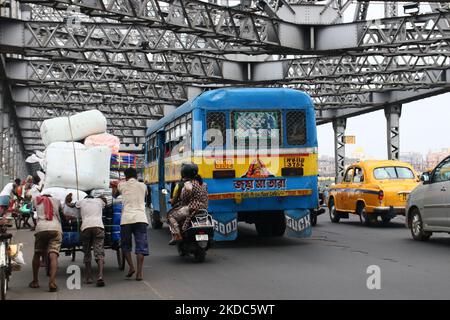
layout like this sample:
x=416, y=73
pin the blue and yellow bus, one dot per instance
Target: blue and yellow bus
x=256, y=149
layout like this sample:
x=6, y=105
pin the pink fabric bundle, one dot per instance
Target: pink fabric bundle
x=103, y=139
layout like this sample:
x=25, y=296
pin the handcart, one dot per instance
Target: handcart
x=71, y=235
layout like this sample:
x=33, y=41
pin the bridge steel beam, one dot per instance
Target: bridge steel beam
x=66, y=82
x=391, y=35
x=12, y=161
x=376, y=101
x=339, y=125
x=245, y=28
x=393, y=114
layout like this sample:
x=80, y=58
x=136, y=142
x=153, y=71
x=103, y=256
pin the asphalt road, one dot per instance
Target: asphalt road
x=330, y=265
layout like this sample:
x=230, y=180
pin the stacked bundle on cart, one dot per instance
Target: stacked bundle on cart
x=81, y=158
x=111, y=220
x=76, y=160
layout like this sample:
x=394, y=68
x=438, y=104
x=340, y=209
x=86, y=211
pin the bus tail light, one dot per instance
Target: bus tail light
x=380, y=195
x=223, y=174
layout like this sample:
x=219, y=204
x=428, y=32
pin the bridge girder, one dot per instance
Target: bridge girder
x=128, y=58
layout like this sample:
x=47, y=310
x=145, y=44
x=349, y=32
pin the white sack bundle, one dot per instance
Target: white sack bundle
x=83, y=124
x=61, y=193
x=93, y=165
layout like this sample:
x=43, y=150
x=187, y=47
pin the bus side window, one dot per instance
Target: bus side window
x=216, y=120
x=149, y=150
x=154, y=149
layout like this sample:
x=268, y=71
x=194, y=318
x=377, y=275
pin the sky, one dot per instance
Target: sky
x=423, y=127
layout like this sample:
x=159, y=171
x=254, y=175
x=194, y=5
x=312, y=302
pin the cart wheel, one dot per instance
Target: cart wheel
x=120, y=259
x=74, y=252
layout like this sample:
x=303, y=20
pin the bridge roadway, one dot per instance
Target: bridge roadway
x=330, y=265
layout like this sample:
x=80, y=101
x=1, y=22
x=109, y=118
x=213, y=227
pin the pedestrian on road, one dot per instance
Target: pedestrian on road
x=133, y=221
x=6, y=195
x=92, y=234
x=48, y=238
x=32, y=191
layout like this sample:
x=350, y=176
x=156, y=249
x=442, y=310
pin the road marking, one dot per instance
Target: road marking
x=153, y=289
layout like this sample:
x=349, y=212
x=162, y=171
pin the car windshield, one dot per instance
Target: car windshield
x=386, y=173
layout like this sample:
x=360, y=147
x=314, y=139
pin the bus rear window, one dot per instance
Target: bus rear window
x=256, y=126
x=387, y=173
x=296, y=127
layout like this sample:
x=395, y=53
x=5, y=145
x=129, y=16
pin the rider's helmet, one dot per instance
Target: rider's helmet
x=189, y=170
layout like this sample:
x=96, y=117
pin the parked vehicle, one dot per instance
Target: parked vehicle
x=372, y=189
x=428, y=204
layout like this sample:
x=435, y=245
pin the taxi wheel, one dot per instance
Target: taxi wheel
x=417, y=231
x=385, y=220
x=363, y=216
x=334, y=216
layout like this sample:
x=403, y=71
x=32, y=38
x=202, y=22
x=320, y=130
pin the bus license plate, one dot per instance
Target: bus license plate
x=294, y=162
x=201, y=237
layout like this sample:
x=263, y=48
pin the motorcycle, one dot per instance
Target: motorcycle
x=198, y=238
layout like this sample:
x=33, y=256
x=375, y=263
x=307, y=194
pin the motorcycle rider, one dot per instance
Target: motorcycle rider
x=175, y=197
x=193, y=197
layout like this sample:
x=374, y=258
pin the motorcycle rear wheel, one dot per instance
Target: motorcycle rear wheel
x=181, y=252
x=199, y=255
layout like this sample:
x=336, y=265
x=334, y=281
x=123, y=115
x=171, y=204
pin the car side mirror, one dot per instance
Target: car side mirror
x=425, y=178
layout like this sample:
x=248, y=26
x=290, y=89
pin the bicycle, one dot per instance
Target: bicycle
x=5, y=259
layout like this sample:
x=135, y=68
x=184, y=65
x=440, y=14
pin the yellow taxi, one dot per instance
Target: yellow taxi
x=372, y=189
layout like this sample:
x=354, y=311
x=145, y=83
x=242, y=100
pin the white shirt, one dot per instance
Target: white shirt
x=91, y=211
x=46, y=225
x=34, y=191
x=133, y=199
x=7, y=190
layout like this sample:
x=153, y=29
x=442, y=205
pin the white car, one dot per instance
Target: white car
x=428, y=206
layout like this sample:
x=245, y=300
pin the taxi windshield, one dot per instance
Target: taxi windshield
x=387, y=173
